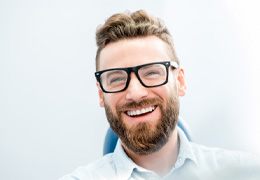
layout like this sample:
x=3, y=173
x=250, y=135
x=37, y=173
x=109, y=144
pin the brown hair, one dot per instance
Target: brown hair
x=132, y=25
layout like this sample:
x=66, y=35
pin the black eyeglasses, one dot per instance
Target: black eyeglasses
x=150, y=75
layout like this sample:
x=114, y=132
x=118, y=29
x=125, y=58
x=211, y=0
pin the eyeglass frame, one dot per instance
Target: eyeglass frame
x=135, y=69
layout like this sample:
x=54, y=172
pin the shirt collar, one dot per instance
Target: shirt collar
x=125, y=166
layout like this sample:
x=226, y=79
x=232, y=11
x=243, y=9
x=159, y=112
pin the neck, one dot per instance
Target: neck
x=161, y=161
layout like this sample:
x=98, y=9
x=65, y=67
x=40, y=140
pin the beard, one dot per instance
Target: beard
x=145, y=138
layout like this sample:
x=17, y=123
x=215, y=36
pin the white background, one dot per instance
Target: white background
x=50, y=121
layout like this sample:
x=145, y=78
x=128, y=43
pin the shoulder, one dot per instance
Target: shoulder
x=227, y=162
x=99, y=169
x=220, y=155
x=202, y=151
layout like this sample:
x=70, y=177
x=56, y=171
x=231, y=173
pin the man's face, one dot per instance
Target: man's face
x=144, y=118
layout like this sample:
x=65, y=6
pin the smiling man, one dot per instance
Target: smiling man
x=142, y=86
x=139, y=83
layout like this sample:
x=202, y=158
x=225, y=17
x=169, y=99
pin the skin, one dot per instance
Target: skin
x=133, y=52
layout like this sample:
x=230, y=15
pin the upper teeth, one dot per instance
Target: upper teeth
x=140, y=111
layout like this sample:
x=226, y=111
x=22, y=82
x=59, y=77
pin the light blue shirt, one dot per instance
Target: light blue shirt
x=194, y=162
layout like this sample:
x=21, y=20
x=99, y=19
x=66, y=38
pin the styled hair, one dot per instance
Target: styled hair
x=132, y=25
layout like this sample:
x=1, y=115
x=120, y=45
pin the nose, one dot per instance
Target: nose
x=135, y=90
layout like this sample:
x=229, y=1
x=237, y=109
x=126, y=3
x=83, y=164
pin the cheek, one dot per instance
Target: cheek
x=169, y=87
x=112, y=100
x=162, y=92
x=167, y=92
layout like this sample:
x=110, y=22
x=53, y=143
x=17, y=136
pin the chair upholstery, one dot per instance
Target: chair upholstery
x=111, y=137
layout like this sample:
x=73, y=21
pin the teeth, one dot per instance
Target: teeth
x=140, y=111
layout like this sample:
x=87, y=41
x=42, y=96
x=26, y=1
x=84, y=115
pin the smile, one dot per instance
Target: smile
x=141, y=111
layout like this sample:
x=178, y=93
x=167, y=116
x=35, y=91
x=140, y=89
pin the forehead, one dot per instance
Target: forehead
x=133, y=52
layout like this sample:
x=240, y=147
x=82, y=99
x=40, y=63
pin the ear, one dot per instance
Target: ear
x=181, y=82
x=100, y=95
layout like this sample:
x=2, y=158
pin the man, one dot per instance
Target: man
x=139, y=82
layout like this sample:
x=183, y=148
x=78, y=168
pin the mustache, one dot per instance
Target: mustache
x=140, y=104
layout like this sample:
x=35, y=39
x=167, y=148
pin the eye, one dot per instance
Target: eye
x=114, y=77
x=152, y=73
x=116, y=80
